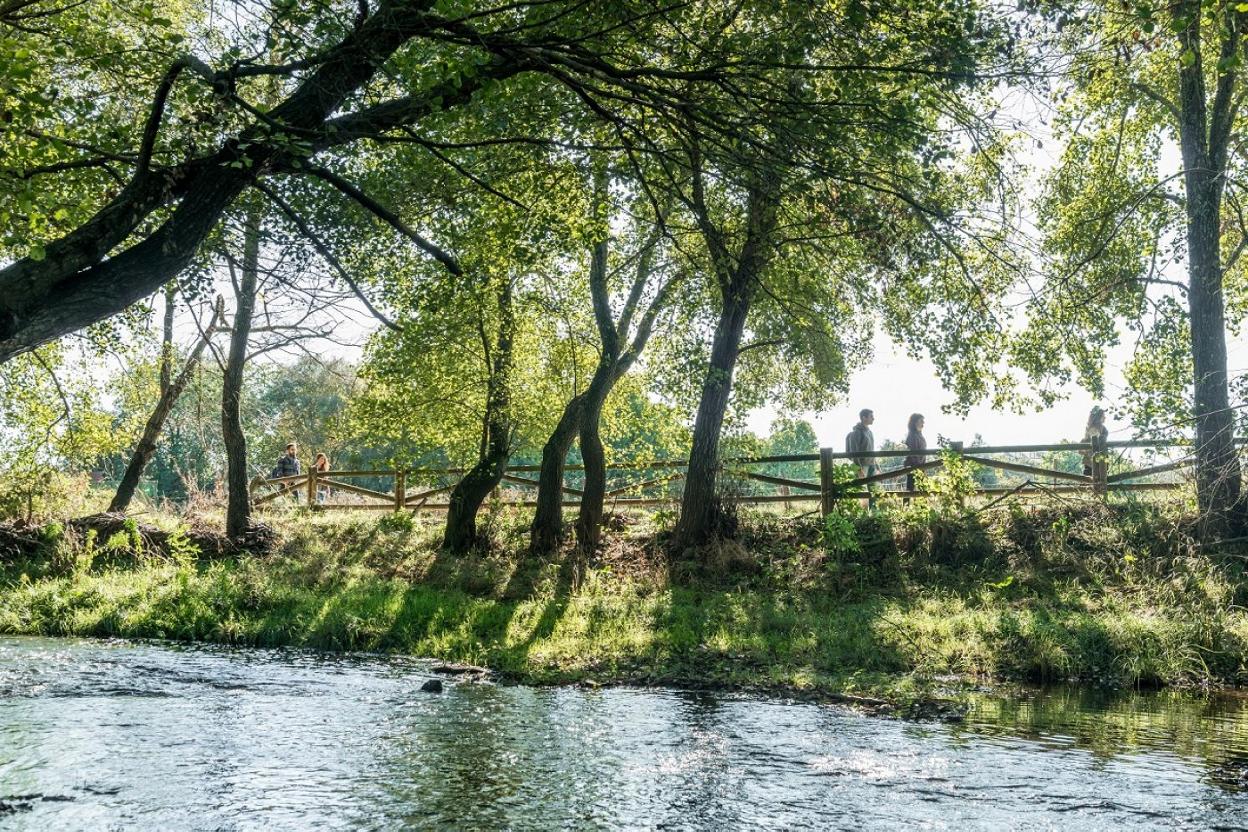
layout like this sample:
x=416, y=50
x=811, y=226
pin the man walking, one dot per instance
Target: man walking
x=860, y=443
x=287, y=466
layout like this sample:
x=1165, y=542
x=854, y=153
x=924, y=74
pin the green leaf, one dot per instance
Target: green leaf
x=1187, y=58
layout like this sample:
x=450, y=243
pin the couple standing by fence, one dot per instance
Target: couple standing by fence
x=860, y=443
x=288, y=466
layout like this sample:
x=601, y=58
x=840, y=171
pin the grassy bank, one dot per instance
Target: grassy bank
x=871, y=604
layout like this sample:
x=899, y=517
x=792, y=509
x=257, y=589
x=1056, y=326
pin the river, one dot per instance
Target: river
x=119, y=735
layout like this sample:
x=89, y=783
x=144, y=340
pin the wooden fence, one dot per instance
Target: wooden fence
x=657, y=483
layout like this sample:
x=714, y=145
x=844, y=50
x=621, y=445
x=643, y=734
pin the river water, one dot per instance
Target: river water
x=117, y=735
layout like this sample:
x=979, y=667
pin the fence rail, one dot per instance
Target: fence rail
x=823, y=478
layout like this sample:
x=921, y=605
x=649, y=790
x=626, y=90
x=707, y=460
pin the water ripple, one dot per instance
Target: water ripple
x=104, y=735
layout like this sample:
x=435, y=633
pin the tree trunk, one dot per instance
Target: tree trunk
x=738, y=277
x=166, y=343
x=697, y=507
x=1204, y=133
x=589, y=517
x=461, y=517
x=1217, y=464
x=170, y=392
x=546, y=533
x=238, y=503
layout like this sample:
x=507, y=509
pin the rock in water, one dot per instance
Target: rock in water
x=432, y=686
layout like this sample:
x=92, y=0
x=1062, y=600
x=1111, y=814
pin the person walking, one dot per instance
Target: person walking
x=915, y=442
x=287, y=466
x=1094, y=434
x=321, y=466
x=859, y=444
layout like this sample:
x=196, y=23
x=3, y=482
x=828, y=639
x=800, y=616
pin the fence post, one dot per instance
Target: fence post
x=1100, y=467
x=312, y=484
x=957, y=447
x=400, y=489
x=827, y=485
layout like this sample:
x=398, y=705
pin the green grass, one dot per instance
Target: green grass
x=1122, y=598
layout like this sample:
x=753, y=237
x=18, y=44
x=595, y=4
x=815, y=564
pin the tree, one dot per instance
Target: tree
x=245, y=279
x=640, y=297
x=496, y=441
x=847, y=204
x=338, y=78
x=1139, y=81
x=467, y=365
x=52, y=422
x=737, y=273
x=170, y=391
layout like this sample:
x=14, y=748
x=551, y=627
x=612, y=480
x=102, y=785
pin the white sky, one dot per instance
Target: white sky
x=895, y=385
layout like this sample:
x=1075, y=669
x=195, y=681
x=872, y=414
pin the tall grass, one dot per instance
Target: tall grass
x=1118, y=595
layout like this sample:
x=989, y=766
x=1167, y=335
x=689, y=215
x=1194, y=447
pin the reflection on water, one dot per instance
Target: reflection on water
x=102, y=735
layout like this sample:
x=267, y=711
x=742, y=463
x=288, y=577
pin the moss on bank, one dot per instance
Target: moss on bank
x=1116, y=595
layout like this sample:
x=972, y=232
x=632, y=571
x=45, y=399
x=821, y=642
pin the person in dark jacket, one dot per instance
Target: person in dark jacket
x=860, y=442
x=914, y=442
x=287, y=464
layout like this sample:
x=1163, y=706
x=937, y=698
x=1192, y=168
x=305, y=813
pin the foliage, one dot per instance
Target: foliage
x=53, y=425
x=1114, y=594
x=952, y=485
x=1116, y=212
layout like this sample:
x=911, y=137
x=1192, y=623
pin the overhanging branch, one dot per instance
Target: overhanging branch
x=389, y=217
x=325, y=253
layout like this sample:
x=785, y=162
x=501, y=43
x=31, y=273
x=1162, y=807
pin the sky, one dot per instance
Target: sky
x=895, y=385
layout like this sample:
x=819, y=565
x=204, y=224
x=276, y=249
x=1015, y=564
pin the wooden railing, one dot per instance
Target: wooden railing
x=657, y=483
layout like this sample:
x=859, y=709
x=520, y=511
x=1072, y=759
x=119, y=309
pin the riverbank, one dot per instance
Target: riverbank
x=876, y=605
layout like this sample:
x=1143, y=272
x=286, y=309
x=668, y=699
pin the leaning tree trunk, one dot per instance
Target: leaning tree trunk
x=614, y=362
x=170, y=392
x=698, y=506
x=546, y=533
x=238, y=497
x=589, y=517
x=461, y=516
x=166, y=343
x=738, y=277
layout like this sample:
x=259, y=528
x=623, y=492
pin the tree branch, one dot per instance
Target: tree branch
x=325, y=253
x=392, y=219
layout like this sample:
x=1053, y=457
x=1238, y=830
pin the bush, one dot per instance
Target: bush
x=396, y=522
x=41, y=493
